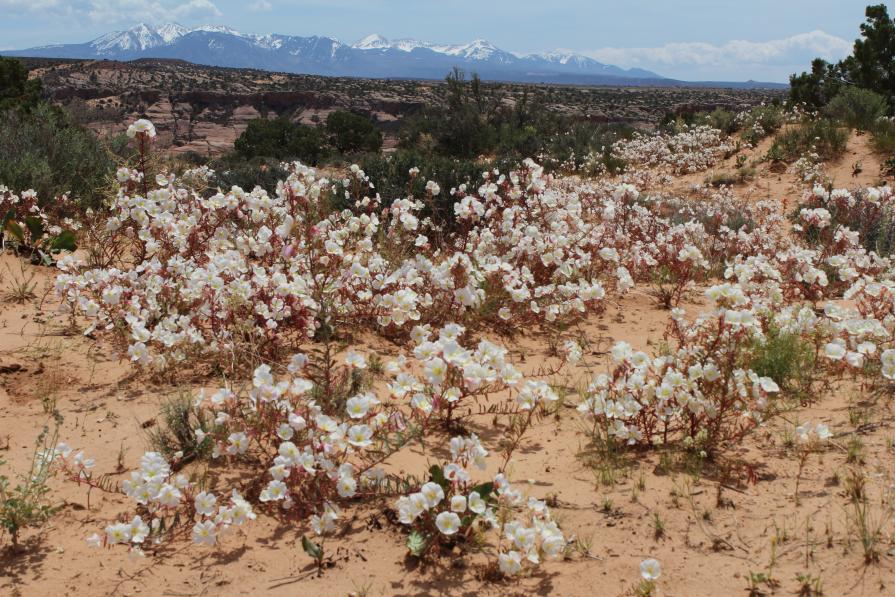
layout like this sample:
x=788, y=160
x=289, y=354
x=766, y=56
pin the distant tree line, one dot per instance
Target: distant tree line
x=344, y=133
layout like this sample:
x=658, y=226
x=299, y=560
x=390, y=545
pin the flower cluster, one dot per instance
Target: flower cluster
x=698, y=394
x=164, y=499
x=451, y=375
x=693, y=150
x=450, y=507
x=25, y=221
x=314, y=453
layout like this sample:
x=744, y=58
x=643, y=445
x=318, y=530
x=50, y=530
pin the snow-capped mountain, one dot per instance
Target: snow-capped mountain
x=479, y=49
x=373, y=56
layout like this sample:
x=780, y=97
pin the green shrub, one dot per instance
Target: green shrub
x=822, y=136
x=786, y=358
x=882, y=237
x=883, y=139
x=17, y=91
x=858, y=108
x=578, y=144
x=26, y=504
x=390, y=175
x=42, y=149
x=281, y=139
x=723, y=120
x=352, y=133
x=233, y=169
x=761, y=121
x=888, y=167
x=174, y=435
x=873, y=221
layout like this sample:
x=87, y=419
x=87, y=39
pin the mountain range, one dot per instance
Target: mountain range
x=372, y=57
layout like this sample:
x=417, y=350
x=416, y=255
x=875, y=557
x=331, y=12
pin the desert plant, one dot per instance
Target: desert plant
x=174, y=434
x=823, y=136
x=43, y=150
x=22, y=285
x=27, y=503
x=352, y=133
x=858, y=108
x=883, y=138
x=281, y=139
x=785, y=357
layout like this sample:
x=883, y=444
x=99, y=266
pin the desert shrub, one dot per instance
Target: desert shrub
x=883, y=136
x=41, y=149
x=719, y=118
x=462, y=132
x=26, y=504
x=585, y=146
x=174, y=433
x=474, y=121
x=17, y=91
x=723, y=120
x=785, y=357
x=391, y=177
x=232, y=170
x=824, y=137
x=352, y=133
x=759, y=122
x=858, y=108
x=281, y=139
x=740, y=175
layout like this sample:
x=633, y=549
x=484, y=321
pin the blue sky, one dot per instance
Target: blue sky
x=688, y=39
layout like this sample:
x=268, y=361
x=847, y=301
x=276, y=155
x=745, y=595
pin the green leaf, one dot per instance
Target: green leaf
x=8, y=217
x=485, y=490
x=436, y=475
x=311, y=548
x=35, y=228
x=417, y=543
x=66, y=241
x=14, y=229
x=45, y=259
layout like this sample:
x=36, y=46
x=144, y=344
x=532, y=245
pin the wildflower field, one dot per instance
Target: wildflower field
x=636, y=381
x=515, y=352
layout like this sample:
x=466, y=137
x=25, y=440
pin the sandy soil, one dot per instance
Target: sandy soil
x=717, y=528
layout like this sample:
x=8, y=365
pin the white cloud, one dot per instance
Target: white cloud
x=130, y=11
x=736, y=60
x=260, y=6
x=29, y=5
x=116, y=11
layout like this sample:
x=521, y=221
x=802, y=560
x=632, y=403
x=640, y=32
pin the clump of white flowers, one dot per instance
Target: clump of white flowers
x=451, y=506
x=692, y=150
x=165, y=499
x=698, y=393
